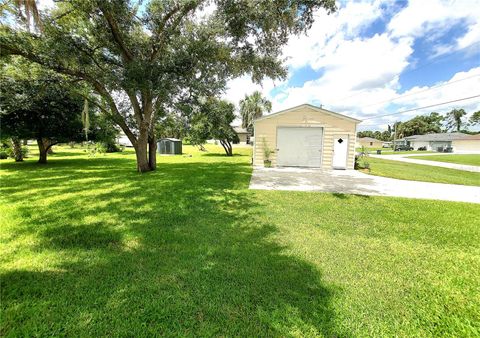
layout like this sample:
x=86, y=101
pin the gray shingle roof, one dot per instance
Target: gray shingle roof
x=240, y=130
x=437, y=137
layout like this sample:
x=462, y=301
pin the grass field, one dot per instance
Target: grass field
x=91, y=248
x=389, y=151
x=420, y=172
x=468, y=159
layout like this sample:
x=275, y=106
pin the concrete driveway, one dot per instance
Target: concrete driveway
x=355, y=182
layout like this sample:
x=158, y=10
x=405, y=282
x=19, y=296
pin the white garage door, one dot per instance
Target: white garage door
x=299, y=146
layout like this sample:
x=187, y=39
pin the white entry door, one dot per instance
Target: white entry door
x=340, y=152
x=299, y=146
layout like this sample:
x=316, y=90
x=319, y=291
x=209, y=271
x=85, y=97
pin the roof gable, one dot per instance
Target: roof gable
x=309, y=107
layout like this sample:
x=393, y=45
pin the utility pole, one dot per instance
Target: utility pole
x=395, y=125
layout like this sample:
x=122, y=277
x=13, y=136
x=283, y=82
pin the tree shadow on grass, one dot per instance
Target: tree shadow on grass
x=208, y=154
x=182, y=251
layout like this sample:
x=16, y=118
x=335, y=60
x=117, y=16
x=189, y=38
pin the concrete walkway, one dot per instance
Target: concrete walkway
x=405, y=158
x=355, y=182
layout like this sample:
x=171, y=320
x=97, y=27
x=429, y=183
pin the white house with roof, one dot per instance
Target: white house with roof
x=446, y=142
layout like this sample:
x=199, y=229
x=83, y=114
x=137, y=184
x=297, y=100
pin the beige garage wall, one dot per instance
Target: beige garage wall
x=467, y=146
x=376, y=144
x=305, y=117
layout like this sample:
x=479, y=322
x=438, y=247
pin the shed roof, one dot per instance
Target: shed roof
x=437, y=137
x=307, y=105
x=170, y=139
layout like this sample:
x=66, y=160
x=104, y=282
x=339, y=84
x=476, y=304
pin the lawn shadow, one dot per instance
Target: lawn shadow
x=209, y=154
x=181, y=251
x=347, y=196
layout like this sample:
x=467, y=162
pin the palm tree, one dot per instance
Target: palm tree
x=454, y=119
x=252, y=107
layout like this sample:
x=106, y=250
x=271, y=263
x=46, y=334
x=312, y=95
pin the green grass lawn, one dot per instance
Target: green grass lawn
x=404, y=152
x=420, y=172
x=467, y=159
x=89, y=247
x=389, y=151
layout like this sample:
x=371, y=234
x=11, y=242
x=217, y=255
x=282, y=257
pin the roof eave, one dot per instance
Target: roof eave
x=310, y=106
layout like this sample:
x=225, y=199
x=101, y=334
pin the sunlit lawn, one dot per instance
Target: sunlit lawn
x=420, y=172
x=91, y=248
x=468, y=159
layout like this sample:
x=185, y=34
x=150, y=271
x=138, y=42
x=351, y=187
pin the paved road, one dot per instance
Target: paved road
x=355, y=182
x=405, y=158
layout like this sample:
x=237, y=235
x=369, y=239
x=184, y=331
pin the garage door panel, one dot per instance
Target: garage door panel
x=299, y=146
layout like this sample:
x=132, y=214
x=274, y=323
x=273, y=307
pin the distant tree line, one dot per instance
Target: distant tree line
x=453, y=121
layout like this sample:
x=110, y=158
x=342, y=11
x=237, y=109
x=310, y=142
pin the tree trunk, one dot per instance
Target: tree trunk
x=227, y=146
x=142, y=156
x=152, y=151
x=17, y=149
x=42, y=148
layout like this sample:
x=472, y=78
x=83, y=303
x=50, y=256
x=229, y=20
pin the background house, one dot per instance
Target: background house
x=306, y=136
x=369, y=142
x=456, y=142
x=123, y=140
x=243, y=135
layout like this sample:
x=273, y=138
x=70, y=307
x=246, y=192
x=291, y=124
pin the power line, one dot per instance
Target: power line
x=435, y=60
x=419, y=108
x=422, y=91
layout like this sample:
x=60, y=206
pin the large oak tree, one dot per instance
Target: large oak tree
x=42, y=109
x=144, y=57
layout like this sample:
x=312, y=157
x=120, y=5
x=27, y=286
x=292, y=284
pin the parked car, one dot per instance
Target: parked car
x=403, y=148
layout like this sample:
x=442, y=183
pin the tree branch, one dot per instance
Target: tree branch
x=127, y=55
x=161, y=30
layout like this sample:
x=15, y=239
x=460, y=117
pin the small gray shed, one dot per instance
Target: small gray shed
x=171, y=146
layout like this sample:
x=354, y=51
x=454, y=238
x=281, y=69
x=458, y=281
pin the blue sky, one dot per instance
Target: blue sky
x=374, y=51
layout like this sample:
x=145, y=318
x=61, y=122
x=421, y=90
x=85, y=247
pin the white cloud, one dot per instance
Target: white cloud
x=461, y=85
x=239, y=87
x=328, y=31
x=434, y=17
x=359, y=71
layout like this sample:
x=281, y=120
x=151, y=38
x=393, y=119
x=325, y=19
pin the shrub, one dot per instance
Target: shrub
x=266, y=150
x=361, y=160
x=110, y=147
x=9, y=152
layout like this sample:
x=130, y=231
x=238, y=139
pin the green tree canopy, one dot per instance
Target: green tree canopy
x=172, y=124
x=42, y=109
x=213, y=121
x=142, y=59
x=421, y=124
x=475, y=119
x=252, y=107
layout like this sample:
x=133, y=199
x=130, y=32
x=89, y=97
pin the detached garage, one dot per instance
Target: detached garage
x=306, y=136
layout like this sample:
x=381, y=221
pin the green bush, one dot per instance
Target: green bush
x=10, y=154
x=102, y=148
x=108, y=147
